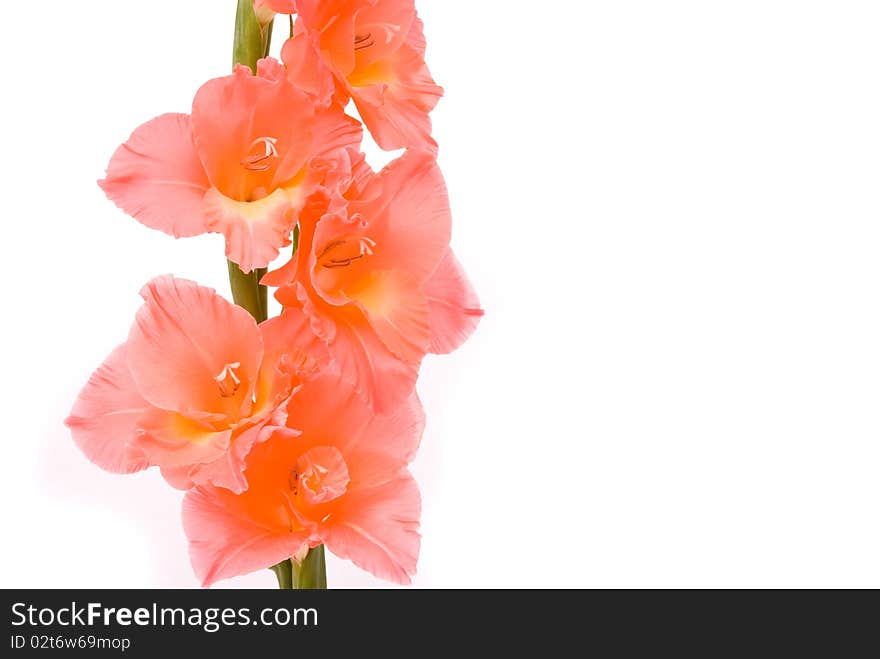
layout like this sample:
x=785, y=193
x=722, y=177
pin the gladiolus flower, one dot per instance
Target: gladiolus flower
x=254, y=148
x=197, y=384
x=375, y=50
x=337, y=476
x=376, y=277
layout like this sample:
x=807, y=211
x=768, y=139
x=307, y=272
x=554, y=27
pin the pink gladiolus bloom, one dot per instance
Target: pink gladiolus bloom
x=338, y=477
x=242, y=164
x=376, y=277
x=375, y=51
x=197, y=384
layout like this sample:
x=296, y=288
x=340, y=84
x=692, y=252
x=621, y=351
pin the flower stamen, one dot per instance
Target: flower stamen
x=362, y=41
x=320, y=476
x=365, y=248
x=227, y=379
x=259, y=162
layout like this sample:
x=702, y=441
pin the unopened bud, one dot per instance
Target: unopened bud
x=301, y=554
x=264, y=13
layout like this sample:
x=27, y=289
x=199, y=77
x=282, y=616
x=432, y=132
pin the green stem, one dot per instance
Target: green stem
x=247, y=292
x=284, y=572
x=312, y=574
x=252, y=43
x=267, y=39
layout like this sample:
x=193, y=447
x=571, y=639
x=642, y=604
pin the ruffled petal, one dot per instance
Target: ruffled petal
x=242, y=116
x=377, y=529
x=397, y=433
x=454, y=307
x=291, y=345
x=398, y=312
x=394, y=95
x=177, y=477
x=372, y=313
x=314, y=208
x=397, y=113
x=415, y=39
x=255, y=231
x=183, y=341
x=104, y=418
x=385, y=445
x=366, y=510
x=380, y=30
x=335, y=131
x=228, y=470
x=224, y=541
x=306, y=67
x=334, y=21
x=172, y=440
x=328, y=409
x=406, y=208
x=157, y=177
x=266, y=147
x=359, y=354
x=381, y=377
x=193, y=454
x=232, y=534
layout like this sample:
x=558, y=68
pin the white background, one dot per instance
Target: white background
x=670, y=211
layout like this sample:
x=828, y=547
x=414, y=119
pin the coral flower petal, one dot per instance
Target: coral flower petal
x=397, y=433
x=375, y=48
x=334, y=21
x=224, y=541
x=254, y=231
x=305, y=66
x=361, y=356
x=104, y=418
x=329, y=403
x=289, y=343
x=397, y=311
x=360, y=271
x=407, y=208
x=252, y=132
x=337, y=475
x=378, y=374
x=377, y=529
x=173, y=440
x=157, y=177
x=225, y=469
x=381, y=28
x=394, y=96
x=193, y=352
x=265, y=147
x=454, y=307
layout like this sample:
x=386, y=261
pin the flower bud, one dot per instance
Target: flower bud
x=300, y=554
x=264, y=13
